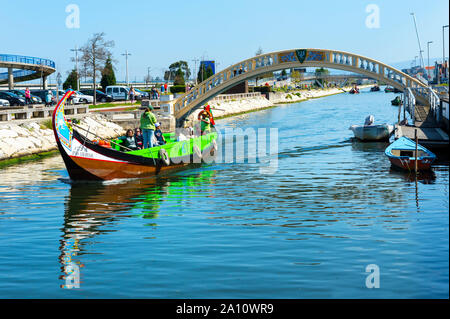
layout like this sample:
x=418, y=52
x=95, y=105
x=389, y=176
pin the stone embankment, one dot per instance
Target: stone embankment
x=30, y=137
x=230, y=107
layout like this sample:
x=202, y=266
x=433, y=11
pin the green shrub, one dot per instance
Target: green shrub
x=178, y=89
x=262, y=89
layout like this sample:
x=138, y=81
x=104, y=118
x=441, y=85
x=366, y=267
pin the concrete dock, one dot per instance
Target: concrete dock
x=429, y=137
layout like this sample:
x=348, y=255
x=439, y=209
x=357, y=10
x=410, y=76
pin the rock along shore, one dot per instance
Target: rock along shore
x=28, y=138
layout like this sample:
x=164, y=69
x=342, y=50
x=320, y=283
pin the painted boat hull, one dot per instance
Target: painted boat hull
x=409, y=164
x=401, y=154
x=379, y=132
x=86, y=160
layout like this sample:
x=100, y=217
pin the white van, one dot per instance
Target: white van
x=118, y=92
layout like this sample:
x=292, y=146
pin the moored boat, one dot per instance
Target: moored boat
x=88, y=160
x=371, y=132
x=402, y=154
x=397, y=101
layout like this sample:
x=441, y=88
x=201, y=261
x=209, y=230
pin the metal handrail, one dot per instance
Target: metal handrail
x=26, y=60
x=410, y=102
x=434, y=102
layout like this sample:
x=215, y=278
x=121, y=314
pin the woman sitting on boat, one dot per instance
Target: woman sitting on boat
x=160, y=140
x=139, y=138
x=129, y=141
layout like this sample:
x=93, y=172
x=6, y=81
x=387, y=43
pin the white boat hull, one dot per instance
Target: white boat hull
x=372, y=132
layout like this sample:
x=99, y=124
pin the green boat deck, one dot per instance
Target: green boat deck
x=173, y=147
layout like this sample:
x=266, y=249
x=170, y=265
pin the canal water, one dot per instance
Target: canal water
x=333, y=220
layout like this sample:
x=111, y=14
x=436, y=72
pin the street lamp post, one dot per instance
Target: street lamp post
x=148, y=74
x=428, y=61
x=76, y=65
x=126, y=54
x=443, y=52
x=418, y=40
x=195, y=69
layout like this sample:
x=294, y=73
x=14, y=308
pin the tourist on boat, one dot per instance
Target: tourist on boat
x=148, y=120
x=139, y=138
x=206, y=119
x=129, y=141
x=160, y=140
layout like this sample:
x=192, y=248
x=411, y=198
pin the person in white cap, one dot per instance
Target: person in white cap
x=159, y=135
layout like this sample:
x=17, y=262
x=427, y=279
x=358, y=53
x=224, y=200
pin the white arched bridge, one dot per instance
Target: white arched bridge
x=296, y=58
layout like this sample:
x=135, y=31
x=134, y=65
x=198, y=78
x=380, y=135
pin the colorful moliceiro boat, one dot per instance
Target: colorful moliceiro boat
x=87, y=160
x=371, y=132
x=401, y=153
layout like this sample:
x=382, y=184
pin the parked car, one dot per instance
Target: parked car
x=102, y=97
x=4, y=103
x=118, y=92
x=76, y=98
x=84, y=98
x=141, y=94
x=12, y=98
x=21, y=93
x=42, y=94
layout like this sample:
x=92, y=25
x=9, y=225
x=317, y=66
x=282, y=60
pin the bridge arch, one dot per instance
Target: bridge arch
x=296, y=58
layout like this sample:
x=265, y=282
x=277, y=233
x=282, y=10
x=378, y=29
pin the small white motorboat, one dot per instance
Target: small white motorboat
x=371, y=132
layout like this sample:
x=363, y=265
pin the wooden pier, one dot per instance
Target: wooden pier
x=429, y=137
x=429, y=132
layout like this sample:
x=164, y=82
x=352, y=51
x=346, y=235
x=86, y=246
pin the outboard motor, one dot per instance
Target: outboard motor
x=369, y=120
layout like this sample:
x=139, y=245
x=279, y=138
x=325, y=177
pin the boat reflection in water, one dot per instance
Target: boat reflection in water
x=92, y=207
x=424, y=177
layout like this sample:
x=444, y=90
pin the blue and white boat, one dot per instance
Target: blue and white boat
x=402, y=154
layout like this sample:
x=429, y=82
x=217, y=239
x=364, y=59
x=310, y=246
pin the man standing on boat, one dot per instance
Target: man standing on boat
x=206, y=119
x=148, y=120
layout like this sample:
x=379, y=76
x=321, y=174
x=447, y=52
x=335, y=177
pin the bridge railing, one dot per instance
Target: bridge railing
x=26, y=60
x=409, y=102
x=435, y=103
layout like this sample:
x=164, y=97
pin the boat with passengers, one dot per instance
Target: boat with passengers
x=87, y=159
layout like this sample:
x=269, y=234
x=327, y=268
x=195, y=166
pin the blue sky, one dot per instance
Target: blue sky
x=157, y=33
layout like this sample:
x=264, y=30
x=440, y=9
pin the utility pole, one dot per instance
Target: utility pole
x=443, y=53
x=76, y=65
x=148, y=74
x=126, y=54
x=428, y=62
x=417, y=34
x=195, y=69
